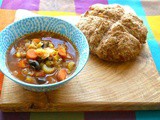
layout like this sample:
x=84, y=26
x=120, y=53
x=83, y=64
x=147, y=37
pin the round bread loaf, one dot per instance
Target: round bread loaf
x=113, y=33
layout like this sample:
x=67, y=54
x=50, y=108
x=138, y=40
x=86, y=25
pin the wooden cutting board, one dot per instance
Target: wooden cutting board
x=100, y=86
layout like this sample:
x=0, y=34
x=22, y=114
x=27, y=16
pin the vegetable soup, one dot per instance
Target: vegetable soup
x=42, y=58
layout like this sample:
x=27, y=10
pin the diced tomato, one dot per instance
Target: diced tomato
x=62, y=74
x=22, y=63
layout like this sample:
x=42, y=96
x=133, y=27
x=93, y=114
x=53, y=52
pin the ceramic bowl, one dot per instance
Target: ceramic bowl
x=36, y=24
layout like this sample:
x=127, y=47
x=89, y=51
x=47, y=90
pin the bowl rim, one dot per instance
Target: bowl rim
x=52, y=84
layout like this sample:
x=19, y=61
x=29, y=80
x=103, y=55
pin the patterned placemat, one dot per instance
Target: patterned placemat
x=148, y=10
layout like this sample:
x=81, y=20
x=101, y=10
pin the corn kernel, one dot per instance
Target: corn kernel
x=18, y=54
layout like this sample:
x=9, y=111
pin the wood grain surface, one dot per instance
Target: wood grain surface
x=100, y=86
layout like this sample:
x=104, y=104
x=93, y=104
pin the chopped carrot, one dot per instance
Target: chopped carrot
x=22, y=63
x=62, y=74
x=36, y=40
x=31, y=54
x=62, y=51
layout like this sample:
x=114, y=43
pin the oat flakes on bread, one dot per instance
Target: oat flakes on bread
x=113, y=33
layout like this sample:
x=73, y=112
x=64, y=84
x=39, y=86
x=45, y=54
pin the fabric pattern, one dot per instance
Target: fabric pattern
x=147, y=10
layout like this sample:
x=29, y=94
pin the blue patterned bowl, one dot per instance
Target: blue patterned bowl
x=35, y=24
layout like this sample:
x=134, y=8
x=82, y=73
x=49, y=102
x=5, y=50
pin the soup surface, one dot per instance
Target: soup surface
x=42, y=58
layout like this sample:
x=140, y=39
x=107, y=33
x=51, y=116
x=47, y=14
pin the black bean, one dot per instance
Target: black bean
x=43, y=46
x=34, y=64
